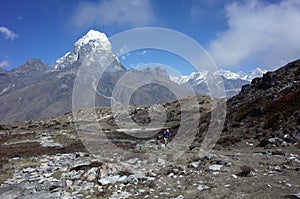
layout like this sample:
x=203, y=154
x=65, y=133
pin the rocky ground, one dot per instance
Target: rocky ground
x=242, y=171
x=49, y=159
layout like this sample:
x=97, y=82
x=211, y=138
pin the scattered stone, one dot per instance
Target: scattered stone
x=210, y=156
x=171, y=175
x=273, y=142
x=215, y=167
x=195, y=164
x=109, y=180
x=296, y=195
x=277, y=168
x=202, y=187
x=234, y=176
x=50, y=185
x=10, y=192
x=178, y=197
x=120, y=195
x=92, y=174
x=249, y=143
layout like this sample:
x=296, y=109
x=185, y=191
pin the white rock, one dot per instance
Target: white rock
x=47, y=175
x=215, y=167
x=28, y=170
x=122, y=178
x=195, y=164
x=297, y=195
x=202, y=187
x=132, y=160
x=120, y=195
x=109, y=180
x=92, y=174
x=179, y=197
x=69, y=183
x=161, y=161
x=66, y=195
x=210, y=156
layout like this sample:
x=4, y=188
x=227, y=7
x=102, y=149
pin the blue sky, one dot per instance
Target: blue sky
x=238, y=35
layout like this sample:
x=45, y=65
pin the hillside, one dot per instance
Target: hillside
x=268, y=107
x=113, y=152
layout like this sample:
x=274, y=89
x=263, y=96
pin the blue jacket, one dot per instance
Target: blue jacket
x=166, y=134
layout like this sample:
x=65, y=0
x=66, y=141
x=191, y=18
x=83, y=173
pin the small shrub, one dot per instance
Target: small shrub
x=245, y=171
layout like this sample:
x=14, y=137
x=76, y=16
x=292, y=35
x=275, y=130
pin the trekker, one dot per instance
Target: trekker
x=166, y=136
x=158, y=139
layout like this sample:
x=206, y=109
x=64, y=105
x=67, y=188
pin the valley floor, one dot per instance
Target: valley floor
x=53, y=163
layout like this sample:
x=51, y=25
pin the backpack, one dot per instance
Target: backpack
x=166, y=134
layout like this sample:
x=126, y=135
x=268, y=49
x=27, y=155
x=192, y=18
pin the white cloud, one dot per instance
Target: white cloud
x=259, y=33
x=8, y=33
x=4, y=63
x=113, y=12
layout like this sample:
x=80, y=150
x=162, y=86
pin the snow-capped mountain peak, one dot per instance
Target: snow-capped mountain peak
x=95, y=38
x=230, y=75
x=196, y=77
x=200, y=76
x=89, y=43
x=233, y=81
x=257, y=72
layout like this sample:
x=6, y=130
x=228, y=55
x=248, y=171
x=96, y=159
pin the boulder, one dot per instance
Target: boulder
x=215, y=167
x=274, y=141
x=296, y=195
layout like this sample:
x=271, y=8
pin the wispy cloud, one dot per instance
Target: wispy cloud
x=131, y=13
x=268, y=33
x=4, y=63
x=8, y=34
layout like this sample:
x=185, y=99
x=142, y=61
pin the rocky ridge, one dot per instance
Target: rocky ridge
x=268, y=107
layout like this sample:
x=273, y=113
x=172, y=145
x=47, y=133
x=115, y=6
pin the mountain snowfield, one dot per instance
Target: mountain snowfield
x=199, y=77
x=232, y=81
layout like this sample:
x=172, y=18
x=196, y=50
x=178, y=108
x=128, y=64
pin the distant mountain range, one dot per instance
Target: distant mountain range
x=232, y=81
x=36, y=91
